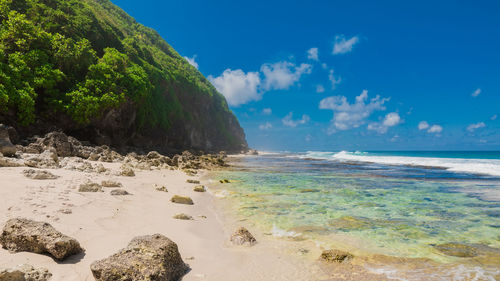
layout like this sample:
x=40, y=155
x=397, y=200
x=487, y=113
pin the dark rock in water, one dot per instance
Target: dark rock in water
x=351, y=223
x=457, y=250
x=6, y=146
x=182, y=200
x=39, y=174
x=335, y=256
x=224, y=181
x=243, y=237
x=25, y=272
x=152, y=257
x=23, y=235
x=119, y=192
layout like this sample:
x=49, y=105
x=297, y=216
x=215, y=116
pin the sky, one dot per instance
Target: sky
x=345, y=75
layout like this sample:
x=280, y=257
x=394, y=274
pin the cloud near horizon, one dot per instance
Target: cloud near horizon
x=239, y=87
x=343, y=45
x=348, y=116
x=390, y=120
x=288, y=120
x=472, y=127
x=434, y=129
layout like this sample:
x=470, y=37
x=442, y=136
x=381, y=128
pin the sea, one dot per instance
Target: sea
x=438, y=211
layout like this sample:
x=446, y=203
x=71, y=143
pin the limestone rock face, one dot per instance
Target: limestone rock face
x=243, y=237
x=335, y=256
x=6, y=147
x=151, y=257
x=182, y=200
x=25, y=272
x=39, y=174
x=24, y=235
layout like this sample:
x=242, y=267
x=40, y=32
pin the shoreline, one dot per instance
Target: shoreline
x=104, y=223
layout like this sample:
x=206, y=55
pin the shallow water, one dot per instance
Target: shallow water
x=369, y=208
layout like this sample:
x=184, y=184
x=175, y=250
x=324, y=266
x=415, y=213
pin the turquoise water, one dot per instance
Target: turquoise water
x=366, y=207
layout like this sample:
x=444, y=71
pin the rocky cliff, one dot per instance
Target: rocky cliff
x=87, y=68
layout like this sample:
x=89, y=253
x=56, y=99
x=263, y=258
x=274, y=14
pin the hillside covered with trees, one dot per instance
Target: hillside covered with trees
x=88, y=68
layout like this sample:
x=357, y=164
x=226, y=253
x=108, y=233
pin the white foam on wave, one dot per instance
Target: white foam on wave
x=460, y=165
x=278, y=232
x=456, y=273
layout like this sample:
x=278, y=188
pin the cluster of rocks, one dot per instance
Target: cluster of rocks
x=57, y=150
x=151, y=257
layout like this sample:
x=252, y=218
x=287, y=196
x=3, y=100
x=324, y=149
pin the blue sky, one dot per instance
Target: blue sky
x=345, y=75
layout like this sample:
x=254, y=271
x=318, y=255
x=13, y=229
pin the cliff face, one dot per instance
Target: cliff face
x=86, y=67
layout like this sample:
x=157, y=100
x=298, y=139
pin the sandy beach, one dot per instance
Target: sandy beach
x=104, y=223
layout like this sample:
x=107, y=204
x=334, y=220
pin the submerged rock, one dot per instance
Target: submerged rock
x=119, y=192
x=457, y=250
x=182, y=200
x=23, y=235
x=25, y=272
x=6, y=146
x=350, y=223
x=243, y=237
x=183, y=217
x=199, y=188
x=152, y=257
x=39, y=174
x=90, y=187
x=335, y=256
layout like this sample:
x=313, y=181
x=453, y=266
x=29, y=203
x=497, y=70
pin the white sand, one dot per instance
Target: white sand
x=103, y=224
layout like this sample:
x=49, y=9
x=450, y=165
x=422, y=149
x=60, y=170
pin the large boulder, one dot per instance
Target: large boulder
x=6, y=147
x=243, y=237
x=24, y=235
x=25, y=272
x=151, y=257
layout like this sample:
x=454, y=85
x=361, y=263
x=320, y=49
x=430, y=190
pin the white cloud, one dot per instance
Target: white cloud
x=265, y=126
x=192, y=61
x=334, y=80
x=476, y=93
x=494, y=117
x=313, y=54
x=288, y=120
x=391, y=119
x=237, y=86
x=282, y=75
x=267, y=111
x=423, y=125
x=347, y=116
x=343, y=45
x=435, y=129
x=472, y=127
x=320, y=89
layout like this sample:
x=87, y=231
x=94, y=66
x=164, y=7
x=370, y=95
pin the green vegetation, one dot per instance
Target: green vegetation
x=82, y=58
